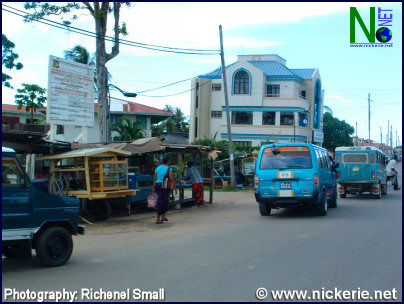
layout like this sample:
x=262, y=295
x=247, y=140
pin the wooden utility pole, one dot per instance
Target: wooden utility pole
x=226, y=99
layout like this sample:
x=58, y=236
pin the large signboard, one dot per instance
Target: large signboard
x=70, y=93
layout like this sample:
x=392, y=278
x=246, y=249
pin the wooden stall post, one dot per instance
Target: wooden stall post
x=181, y=191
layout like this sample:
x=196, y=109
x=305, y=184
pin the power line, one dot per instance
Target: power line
x=179, y=93
x=112, y=39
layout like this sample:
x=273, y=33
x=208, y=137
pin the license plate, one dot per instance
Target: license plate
x=286, y=185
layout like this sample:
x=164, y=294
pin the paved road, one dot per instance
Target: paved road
x=225, y=251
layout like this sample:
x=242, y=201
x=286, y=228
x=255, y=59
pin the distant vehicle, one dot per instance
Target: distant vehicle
x=361, y=169
x=292, y=175
x=33, y=218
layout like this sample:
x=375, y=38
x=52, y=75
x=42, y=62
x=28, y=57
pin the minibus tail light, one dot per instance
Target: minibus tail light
x=256, y=181
x=315, y=180
x=373, y=174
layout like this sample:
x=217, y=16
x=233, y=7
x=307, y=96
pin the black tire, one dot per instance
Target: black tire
x=19, y=250
x=379, y=195
x=54, y=246
x=333, y=203
x=265, y=210
x=384, y=192
x=323, y=206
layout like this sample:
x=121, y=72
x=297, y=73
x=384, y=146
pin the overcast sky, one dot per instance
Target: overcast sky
x=307, y=35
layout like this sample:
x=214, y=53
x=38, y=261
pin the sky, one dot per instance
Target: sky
x=307, y=35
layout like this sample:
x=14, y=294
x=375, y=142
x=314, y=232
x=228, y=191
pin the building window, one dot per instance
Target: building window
x=196, y=127
x=268, y=118
x=273, y=90
x=216, y=114
x=303, y=94
x=216, y=86
x=241, y=118
x=241, y=83
x=60, y=129
x=287, y=118
x=303, y=121
x=243, y=143
x=196, y=95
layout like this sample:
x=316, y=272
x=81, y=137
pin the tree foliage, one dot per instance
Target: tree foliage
x=337, y=133
x=176, y=123
x=128, y=130
x=31, y=96
x=99, y=11
x=8, y=60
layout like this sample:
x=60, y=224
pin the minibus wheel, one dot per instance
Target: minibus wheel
x=323, y=206
x=265, y=210
x=379, y=195
x=333, y=202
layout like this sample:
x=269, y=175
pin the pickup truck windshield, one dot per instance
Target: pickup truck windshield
x=286, y=158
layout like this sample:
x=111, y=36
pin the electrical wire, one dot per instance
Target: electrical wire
x=112, y=39
x=218, y=71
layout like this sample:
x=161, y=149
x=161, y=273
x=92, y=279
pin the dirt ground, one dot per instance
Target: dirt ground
x=143, y=218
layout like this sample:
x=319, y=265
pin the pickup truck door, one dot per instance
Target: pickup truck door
x=16, y=200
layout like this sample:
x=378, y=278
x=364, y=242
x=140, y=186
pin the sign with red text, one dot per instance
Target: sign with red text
x=70, y=93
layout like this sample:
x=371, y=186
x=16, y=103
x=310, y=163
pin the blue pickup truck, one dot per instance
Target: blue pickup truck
x=32, y=218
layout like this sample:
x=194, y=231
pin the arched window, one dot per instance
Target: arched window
x=241, y=82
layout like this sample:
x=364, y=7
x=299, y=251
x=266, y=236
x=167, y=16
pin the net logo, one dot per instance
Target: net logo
x=383, y=34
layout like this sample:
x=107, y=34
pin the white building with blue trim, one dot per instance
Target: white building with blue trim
x=267, y=102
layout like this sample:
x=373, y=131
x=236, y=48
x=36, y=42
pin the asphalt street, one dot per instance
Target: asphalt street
x=225, y=251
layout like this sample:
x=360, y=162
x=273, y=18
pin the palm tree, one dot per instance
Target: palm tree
x=129, y=131
x=31, y=96
x=175, y=123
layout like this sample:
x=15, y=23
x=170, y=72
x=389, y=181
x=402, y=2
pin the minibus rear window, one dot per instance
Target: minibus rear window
x=286, y=158
x=355, y=158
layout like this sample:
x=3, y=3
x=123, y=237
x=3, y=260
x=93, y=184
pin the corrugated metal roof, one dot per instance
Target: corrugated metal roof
x=216, y=74
x=305, y=73
x=272, y=69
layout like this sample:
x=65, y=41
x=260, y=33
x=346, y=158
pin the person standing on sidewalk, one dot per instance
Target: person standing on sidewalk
x=392, y=172
x=197, y=183
x=162, y=193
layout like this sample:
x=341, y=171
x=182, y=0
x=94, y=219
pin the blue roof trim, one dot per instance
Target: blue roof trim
x=275, y=69
x=264, y=136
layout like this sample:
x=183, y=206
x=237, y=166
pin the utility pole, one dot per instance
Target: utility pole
x=356, y=139
x=396, y=139
x=226, y=99
x=369, y=117
x=381, y=139
x=391, y=139
x=387, y=136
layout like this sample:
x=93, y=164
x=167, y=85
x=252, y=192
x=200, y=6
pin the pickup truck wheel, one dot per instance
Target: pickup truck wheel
x=323, y=206
x=54, y=246
x=265, y=210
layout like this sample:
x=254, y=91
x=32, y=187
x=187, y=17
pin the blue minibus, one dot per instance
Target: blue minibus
x=362, y=169
x=292, y=175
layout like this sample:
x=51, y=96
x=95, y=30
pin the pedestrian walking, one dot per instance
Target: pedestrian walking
x=162, y=192
x=197, y=183
x=392, y=172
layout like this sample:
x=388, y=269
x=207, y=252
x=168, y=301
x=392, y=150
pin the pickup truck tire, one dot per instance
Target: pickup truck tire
x=54, y=246
x=265, y=210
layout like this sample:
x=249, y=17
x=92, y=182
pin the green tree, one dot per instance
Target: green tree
x=176, y=123
x=31, y=96
x=128, y=130
x=8, y=60
x=99, y=11
x=337, y=133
